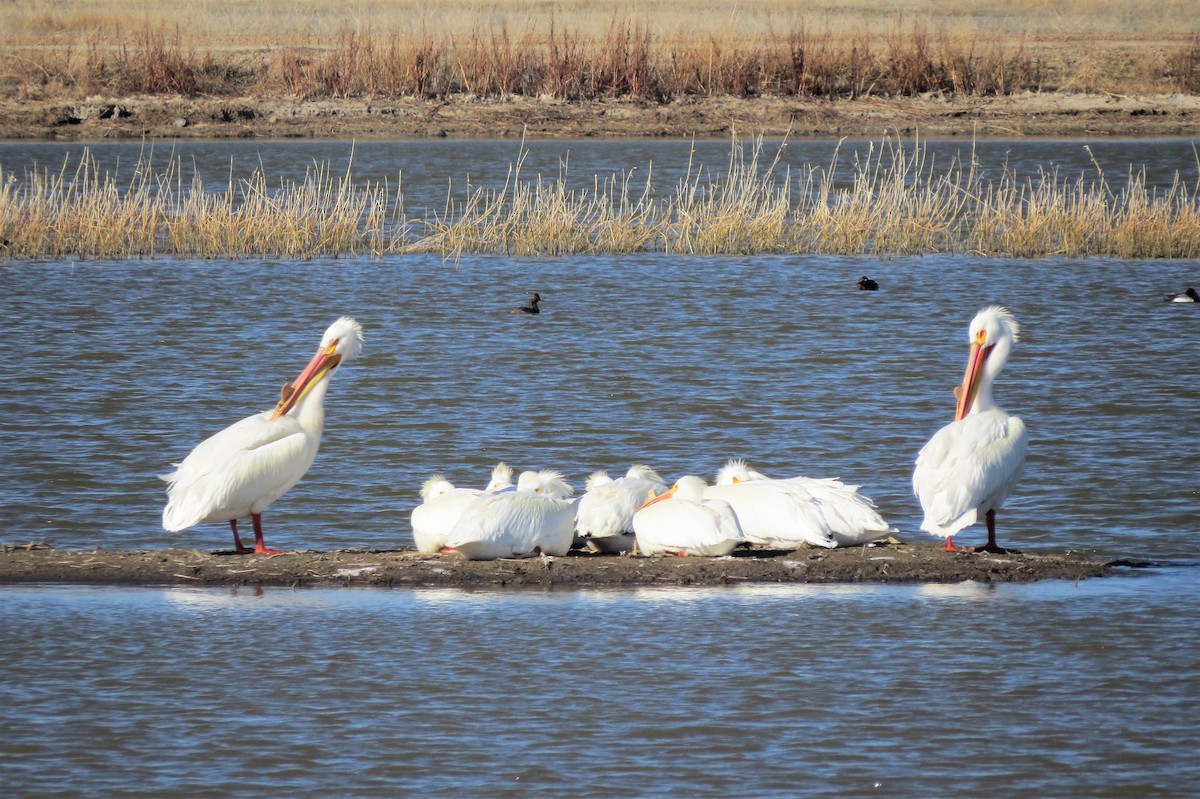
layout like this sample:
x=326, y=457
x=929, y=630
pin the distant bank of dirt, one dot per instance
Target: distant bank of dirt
x=884, y=563
x=1084, y=116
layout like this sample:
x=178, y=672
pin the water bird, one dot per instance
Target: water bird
x=241, y=470
x=867, y=284
x=681, y=521
x=1189, y=295
x=970, y=466
x=532, y=307
x=536, y=519
x=604, y=519
x=787, y=512
x=442, y=504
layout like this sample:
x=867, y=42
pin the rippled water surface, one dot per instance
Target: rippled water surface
x=953, y=690
x=115, y=369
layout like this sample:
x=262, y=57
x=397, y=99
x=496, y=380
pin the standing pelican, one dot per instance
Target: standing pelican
x=682, y=521
x=786, y=512
x=442, y=504
x=536, y=519
x=241, y=470
x=969, y=466
x=605, y=516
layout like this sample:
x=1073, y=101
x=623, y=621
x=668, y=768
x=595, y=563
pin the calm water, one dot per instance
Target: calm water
x=118, y=368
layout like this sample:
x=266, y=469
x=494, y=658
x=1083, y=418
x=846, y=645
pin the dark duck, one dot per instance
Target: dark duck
x=532, y=307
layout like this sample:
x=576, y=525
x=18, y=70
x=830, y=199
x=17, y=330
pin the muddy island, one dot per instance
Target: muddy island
x=890, y=562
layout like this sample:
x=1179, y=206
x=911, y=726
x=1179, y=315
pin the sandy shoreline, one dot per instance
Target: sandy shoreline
x=886, y=563
x=1025, y=115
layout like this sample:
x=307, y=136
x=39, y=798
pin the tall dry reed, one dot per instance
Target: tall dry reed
x=896, y=200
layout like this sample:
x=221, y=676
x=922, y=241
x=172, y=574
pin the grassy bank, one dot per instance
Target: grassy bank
x=895, y=203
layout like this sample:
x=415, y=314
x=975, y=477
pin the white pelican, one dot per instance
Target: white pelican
x=443, y=503
x=536, y=519
x=605, y=516
x=969, y=466
x=681, y=521
x=241, y=470
x=823, y=512
x=1189, y=295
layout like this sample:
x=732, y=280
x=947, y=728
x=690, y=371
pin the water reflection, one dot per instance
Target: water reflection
x=601, y=693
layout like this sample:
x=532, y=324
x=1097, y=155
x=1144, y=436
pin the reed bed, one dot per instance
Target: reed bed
x=895, y=201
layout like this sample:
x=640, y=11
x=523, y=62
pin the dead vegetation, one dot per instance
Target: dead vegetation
x=896, y=202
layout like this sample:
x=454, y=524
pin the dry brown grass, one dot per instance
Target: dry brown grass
x=577, y=51
x=895, y=203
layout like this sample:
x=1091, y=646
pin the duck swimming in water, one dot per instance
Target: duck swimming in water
x=1190, y=295
x=532, y=307
x=867, y=284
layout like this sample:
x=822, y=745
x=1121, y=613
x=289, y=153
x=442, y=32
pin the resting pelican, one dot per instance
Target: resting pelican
x=605, y=516
x=681, y=521
x=241, y=470
x=969, y=466
x=536, y=519
x=822, y=512
x=1189, y=295
x=442, y=504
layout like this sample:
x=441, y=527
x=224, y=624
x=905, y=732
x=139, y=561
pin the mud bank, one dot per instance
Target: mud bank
x=886, y=563
x=1024, y=115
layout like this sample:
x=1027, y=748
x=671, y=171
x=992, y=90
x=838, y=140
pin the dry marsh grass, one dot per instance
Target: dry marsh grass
x=896, y=202
x=584, y=51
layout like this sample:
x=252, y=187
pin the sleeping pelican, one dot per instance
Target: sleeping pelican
x=442, y=504
x=681, y=521
x=969, y=466
x=605, y=516
x=821, y=512
x=536, y=519
x=241, y=470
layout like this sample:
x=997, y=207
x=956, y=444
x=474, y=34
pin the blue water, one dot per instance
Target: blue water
x=964, y=690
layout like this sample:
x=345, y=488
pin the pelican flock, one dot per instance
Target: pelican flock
x=961, y=477
x=965, y=472
x=241, y=470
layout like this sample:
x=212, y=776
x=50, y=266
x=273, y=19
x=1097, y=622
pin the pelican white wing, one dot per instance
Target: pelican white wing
x=774, y=514
x=513, y=525
x=968, y=468
x=604, y=519
x=239, y=471
x=845, y=517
